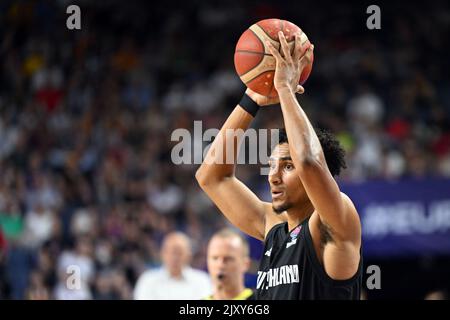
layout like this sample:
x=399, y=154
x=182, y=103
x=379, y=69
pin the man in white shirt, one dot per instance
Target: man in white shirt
x=175, y=280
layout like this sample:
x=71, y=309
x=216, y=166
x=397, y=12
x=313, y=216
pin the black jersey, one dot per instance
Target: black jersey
x=290, y=269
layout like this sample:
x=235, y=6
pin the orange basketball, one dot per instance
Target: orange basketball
x=253, y=61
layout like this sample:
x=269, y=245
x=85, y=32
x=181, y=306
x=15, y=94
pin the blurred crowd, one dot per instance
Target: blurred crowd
x=86, y=117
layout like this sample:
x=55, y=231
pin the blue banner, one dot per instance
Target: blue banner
x=399, y=218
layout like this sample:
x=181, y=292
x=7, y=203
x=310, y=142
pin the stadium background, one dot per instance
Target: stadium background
x=86, y=118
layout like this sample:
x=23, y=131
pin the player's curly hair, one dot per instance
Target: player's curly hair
x=332, y=149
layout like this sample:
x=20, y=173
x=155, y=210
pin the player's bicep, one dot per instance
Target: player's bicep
x=327, y=200
x=239, y=205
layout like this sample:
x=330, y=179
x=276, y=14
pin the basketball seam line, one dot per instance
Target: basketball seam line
x=258, y=76
x=269, y=35
x=265, y=54
x=262, y=43
x=258, y=62
x=266, y=32
x=255, y=52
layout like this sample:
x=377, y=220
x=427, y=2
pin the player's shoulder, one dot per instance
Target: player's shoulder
x=352, y=226
x=349, y=204
x=345, y=197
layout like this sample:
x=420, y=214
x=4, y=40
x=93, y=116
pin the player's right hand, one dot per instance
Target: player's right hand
x=267, y=101
x=289, y=66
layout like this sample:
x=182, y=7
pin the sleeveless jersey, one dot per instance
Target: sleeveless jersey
x=290, y=269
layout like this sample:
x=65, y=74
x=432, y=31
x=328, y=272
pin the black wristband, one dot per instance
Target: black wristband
x=249, y=105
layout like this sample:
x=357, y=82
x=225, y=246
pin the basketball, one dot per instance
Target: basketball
x=253, y=61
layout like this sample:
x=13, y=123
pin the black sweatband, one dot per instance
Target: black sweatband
x=249, y=105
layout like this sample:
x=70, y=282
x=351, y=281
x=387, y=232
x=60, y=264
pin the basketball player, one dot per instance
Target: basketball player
x=228, y=259
x=311, y=230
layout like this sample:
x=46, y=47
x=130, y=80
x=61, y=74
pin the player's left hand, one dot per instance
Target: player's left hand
x=263, y=101
x=289, y=67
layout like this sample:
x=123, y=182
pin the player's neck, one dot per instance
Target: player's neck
x=228, y=292
x=298, y=214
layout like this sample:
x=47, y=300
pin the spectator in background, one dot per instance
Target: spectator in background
x=437, y=295
x=40, y=224
x=87, y=132
x=112, y=285
x=37, y=289
x=2, y=245
x=2, y=271
x=175, y=280
x=228, y=261
x=76, y=263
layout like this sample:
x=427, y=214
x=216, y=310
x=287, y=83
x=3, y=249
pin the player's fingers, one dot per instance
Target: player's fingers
x=304, y=52
x=284, y=46
x=274, y=51
x=300, y=89
x=306, y=58
x=297, y=48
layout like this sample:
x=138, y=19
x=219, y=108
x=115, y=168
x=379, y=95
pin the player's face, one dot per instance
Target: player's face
x=285, y=184
x=226, y=259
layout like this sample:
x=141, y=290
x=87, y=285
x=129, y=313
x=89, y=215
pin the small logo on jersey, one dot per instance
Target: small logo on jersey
x=294, y=235
x=268, y=252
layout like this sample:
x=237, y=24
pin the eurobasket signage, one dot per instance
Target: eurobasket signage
x=408, y=217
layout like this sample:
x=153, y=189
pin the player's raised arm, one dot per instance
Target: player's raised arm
x=216, y=174
x=334, y=209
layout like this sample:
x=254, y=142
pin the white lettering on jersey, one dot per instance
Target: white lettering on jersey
x=274, y=277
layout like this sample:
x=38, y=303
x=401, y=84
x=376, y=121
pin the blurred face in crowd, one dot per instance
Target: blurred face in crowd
x=84, y=247
x=228, y=260
x=285, y=184
x=176, y=253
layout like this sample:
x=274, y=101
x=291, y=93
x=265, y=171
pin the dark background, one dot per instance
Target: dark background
x=86, y=117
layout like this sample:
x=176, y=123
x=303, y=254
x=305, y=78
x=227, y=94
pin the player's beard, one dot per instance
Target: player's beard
x=282, y=207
